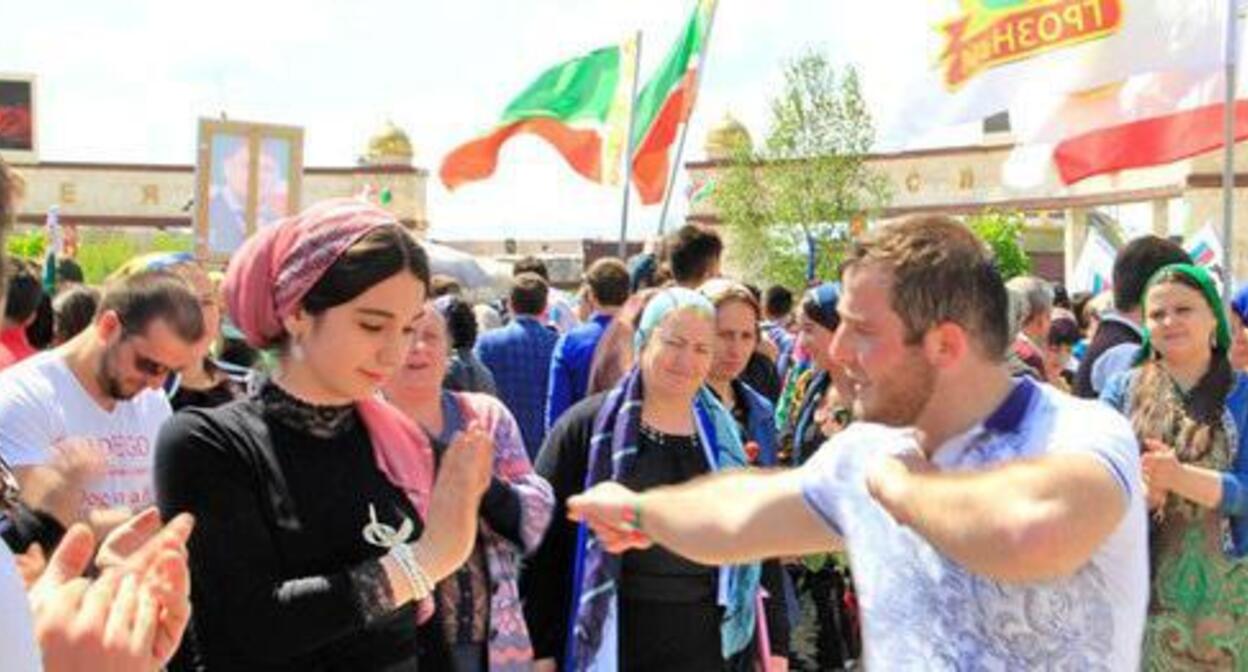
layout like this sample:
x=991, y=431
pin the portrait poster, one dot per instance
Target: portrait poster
x=247, y=177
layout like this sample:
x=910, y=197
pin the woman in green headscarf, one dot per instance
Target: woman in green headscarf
x=1190, y=410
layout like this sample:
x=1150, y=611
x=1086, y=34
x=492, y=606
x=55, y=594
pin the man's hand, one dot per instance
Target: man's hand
x=136, y=543
x=613, y=512
x=79, y=461
x=108, y=624
x=890, y=480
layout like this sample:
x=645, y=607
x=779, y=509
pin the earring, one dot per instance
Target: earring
x=296, y=347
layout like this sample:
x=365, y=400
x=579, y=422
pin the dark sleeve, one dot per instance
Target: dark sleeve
x=485, y=379
x=760, y=374
x=776, y=607
x=546, y=583
x=500, y=507
x=244, y=606
x=23, y=526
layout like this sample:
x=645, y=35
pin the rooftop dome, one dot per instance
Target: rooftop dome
x=389, y=146
x=725, y=137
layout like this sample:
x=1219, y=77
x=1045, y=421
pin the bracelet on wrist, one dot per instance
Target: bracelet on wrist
x=417, y=579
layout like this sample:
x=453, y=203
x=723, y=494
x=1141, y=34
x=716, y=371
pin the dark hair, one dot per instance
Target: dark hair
x=236, y=351
x=384, y=252
x=41, y=331
x=1061, y=298
x=441, y=285
x=721, y=292
x=68, y=270
x=1064, y=331
x=614, y=354
x=608, y=281
x=692, y=252
x=531, y=264
x=941, y=273
x=461, y=324
x=73, y=310
x=142, y=298
x=23, y=293
x=1137, y=262
x=815, y=312
x=528, y=294
x=1079, y=306
x=777, y=301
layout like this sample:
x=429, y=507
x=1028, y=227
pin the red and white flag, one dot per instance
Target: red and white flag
x=985, y=56
x=1150, y=119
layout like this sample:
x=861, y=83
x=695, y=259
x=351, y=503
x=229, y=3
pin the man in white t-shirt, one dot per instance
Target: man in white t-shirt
x=991, y=524
x=102, y=391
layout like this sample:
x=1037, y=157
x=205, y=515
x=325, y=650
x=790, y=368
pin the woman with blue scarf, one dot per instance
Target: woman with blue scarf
x=649, y=609
x=812, y=406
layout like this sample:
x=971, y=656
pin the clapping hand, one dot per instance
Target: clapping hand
x=1160, y=465
x=133, y=616
x=452, y=516
x=468, y=460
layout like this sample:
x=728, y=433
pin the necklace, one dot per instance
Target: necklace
x=661, y=438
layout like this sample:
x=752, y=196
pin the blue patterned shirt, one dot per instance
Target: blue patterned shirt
x=519, y=357
x=923, y=611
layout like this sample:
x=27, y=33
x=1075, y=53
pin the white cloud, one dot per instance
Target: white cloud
x=126, y=80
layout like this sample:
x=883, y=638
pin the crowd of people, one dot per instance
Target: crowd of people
x=328, y=458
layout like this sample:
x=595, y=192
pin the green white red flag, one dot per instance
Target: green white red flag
x=579, y=106
x=666, y=102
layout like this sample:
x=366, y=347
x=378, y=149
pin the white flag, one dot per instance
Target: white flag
x=1094, y=270
x=984, y=55
x=1205, y=247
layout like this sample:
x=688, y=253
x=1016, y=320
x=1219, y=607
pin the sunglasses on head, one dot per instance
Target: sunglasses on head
x=150, y=367
x=146, y=365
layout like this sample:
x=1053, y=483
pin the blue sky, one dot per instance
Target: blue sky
x=125, y=81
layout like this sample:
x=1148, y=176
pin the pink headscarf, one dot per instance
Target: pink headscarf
x=266, y=282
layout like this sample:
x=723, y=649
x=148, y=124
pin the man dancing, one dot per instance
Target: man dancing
x=992, y=524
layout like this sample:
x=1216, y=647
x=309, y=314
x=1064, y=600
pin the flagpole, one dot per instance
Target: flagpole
x=628, y=153
x=1228, y=153
x=684, y=128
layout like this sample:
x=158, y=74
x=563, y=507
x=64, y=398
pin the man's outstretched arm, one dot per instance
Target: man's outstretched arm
x=1030, y=520
x=726, y=518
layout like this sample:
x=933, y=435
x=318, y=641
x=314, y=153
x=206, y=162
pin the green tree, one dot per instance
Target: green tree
x=808, y=180
x=1003, y=231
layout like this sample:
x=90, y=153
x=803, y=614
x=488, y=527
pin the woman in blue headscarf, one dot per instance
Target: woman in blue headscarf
x=812, y=406
x=816, y=404
x=648, y=609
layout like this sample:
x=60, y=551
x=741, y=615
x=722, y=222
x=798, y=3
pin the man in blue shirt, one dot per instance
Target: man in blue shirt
x=608, y=283
x=519, y=357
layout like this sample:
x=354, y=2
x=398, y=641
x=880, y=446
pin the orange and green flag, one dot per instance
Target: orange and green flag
x=579, y=106
x=666, y=102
